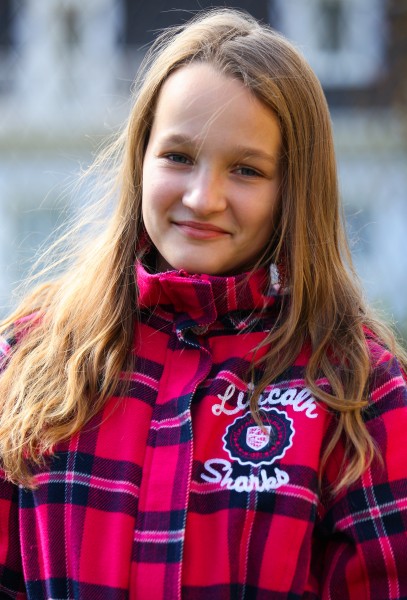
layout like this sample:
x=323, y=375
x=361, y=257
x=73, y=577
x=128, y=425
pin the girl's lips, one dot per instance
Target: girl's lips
x=202, y=231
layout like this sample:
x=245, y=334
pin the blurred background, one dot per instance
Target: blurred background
x=66, y=68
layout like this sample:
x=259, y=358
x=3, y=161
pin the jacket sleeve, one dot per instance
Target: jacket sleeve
x=11, y=575
x=361, y=535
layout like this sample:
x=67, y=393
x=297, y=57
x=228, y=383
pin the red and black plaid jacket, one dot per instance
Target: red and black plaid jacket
x=174, y=492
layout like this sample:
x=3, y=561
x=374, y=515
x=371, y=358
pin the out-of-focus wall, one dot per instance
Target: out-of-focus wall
x=66, y=68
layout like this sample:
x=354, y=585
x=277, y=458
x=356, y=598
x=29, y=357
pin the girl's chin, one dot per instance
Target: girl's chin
x=197, y=265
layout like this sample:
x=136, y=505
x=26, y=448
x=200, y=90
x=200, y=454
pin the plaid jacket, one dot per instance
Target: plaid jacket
x=174, y=492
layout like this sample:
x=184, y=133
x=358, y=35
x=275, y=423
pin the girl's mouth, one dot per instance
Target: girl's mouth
x=197, y=230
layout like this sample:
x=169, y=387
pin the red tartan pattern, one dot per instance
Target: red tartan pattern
x=171, y=492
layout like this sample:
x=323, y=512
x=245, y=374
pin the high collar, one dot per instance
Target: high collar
x=204, y=298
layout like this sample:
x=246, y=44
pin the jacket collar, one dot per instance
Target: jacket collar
x=205, y=298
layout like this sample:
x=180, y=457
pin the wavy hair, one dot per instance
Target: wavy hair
x=71, y=355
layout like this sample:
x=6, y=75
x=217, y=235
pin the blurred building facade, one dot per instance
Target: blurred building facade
x=66, y=68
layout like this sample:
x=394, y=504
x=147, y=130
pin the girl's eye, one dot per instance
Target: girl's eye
x=247, y=172
x=178, y=158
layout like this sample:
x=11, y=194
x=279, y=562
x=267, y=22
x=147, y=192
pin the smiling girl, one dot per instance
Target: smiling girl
x=202, y=405
x=210, y=173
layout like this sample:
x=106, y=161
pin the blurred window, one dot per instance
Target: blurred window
x=331, y=25
x=8, y=14
x=5, y=24
x=143, y=19
x=70, y=26
x=342, y=39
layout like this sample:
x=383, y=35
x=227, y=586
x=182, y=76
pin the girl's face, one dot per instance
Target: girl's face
x=210, y=173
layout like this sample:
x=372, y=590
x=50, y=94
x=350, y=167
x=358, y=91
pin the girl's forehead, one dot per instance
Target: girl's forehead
x=198, y=100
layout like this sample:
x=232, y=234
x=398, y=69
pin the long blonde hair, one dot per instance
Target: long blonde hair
x=71, y=355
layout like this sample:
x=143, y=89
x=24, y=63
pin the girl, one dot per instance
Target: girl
x=202, y=406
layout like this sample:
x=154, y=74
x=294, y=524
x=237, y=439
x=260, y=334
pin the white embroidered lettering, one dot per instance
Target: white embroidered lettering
x=288, y=397
x=272, y=398
x=241, y=402
x=305, y=402
x=243, y=483
x=218, y=409
x=216, y=477
x=301, y=400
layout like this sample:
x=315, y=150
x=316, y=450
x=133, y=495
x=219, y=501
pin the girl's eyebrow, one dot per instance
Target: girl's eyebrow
x=242, y=151
x=177, y=138
x=246, y=152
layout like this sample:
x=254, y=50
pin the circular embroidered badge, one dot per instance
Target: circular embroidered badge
x=250, y=444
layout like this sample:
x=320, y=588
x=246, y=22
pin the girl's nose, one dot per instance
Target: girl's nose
x=205, y=194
